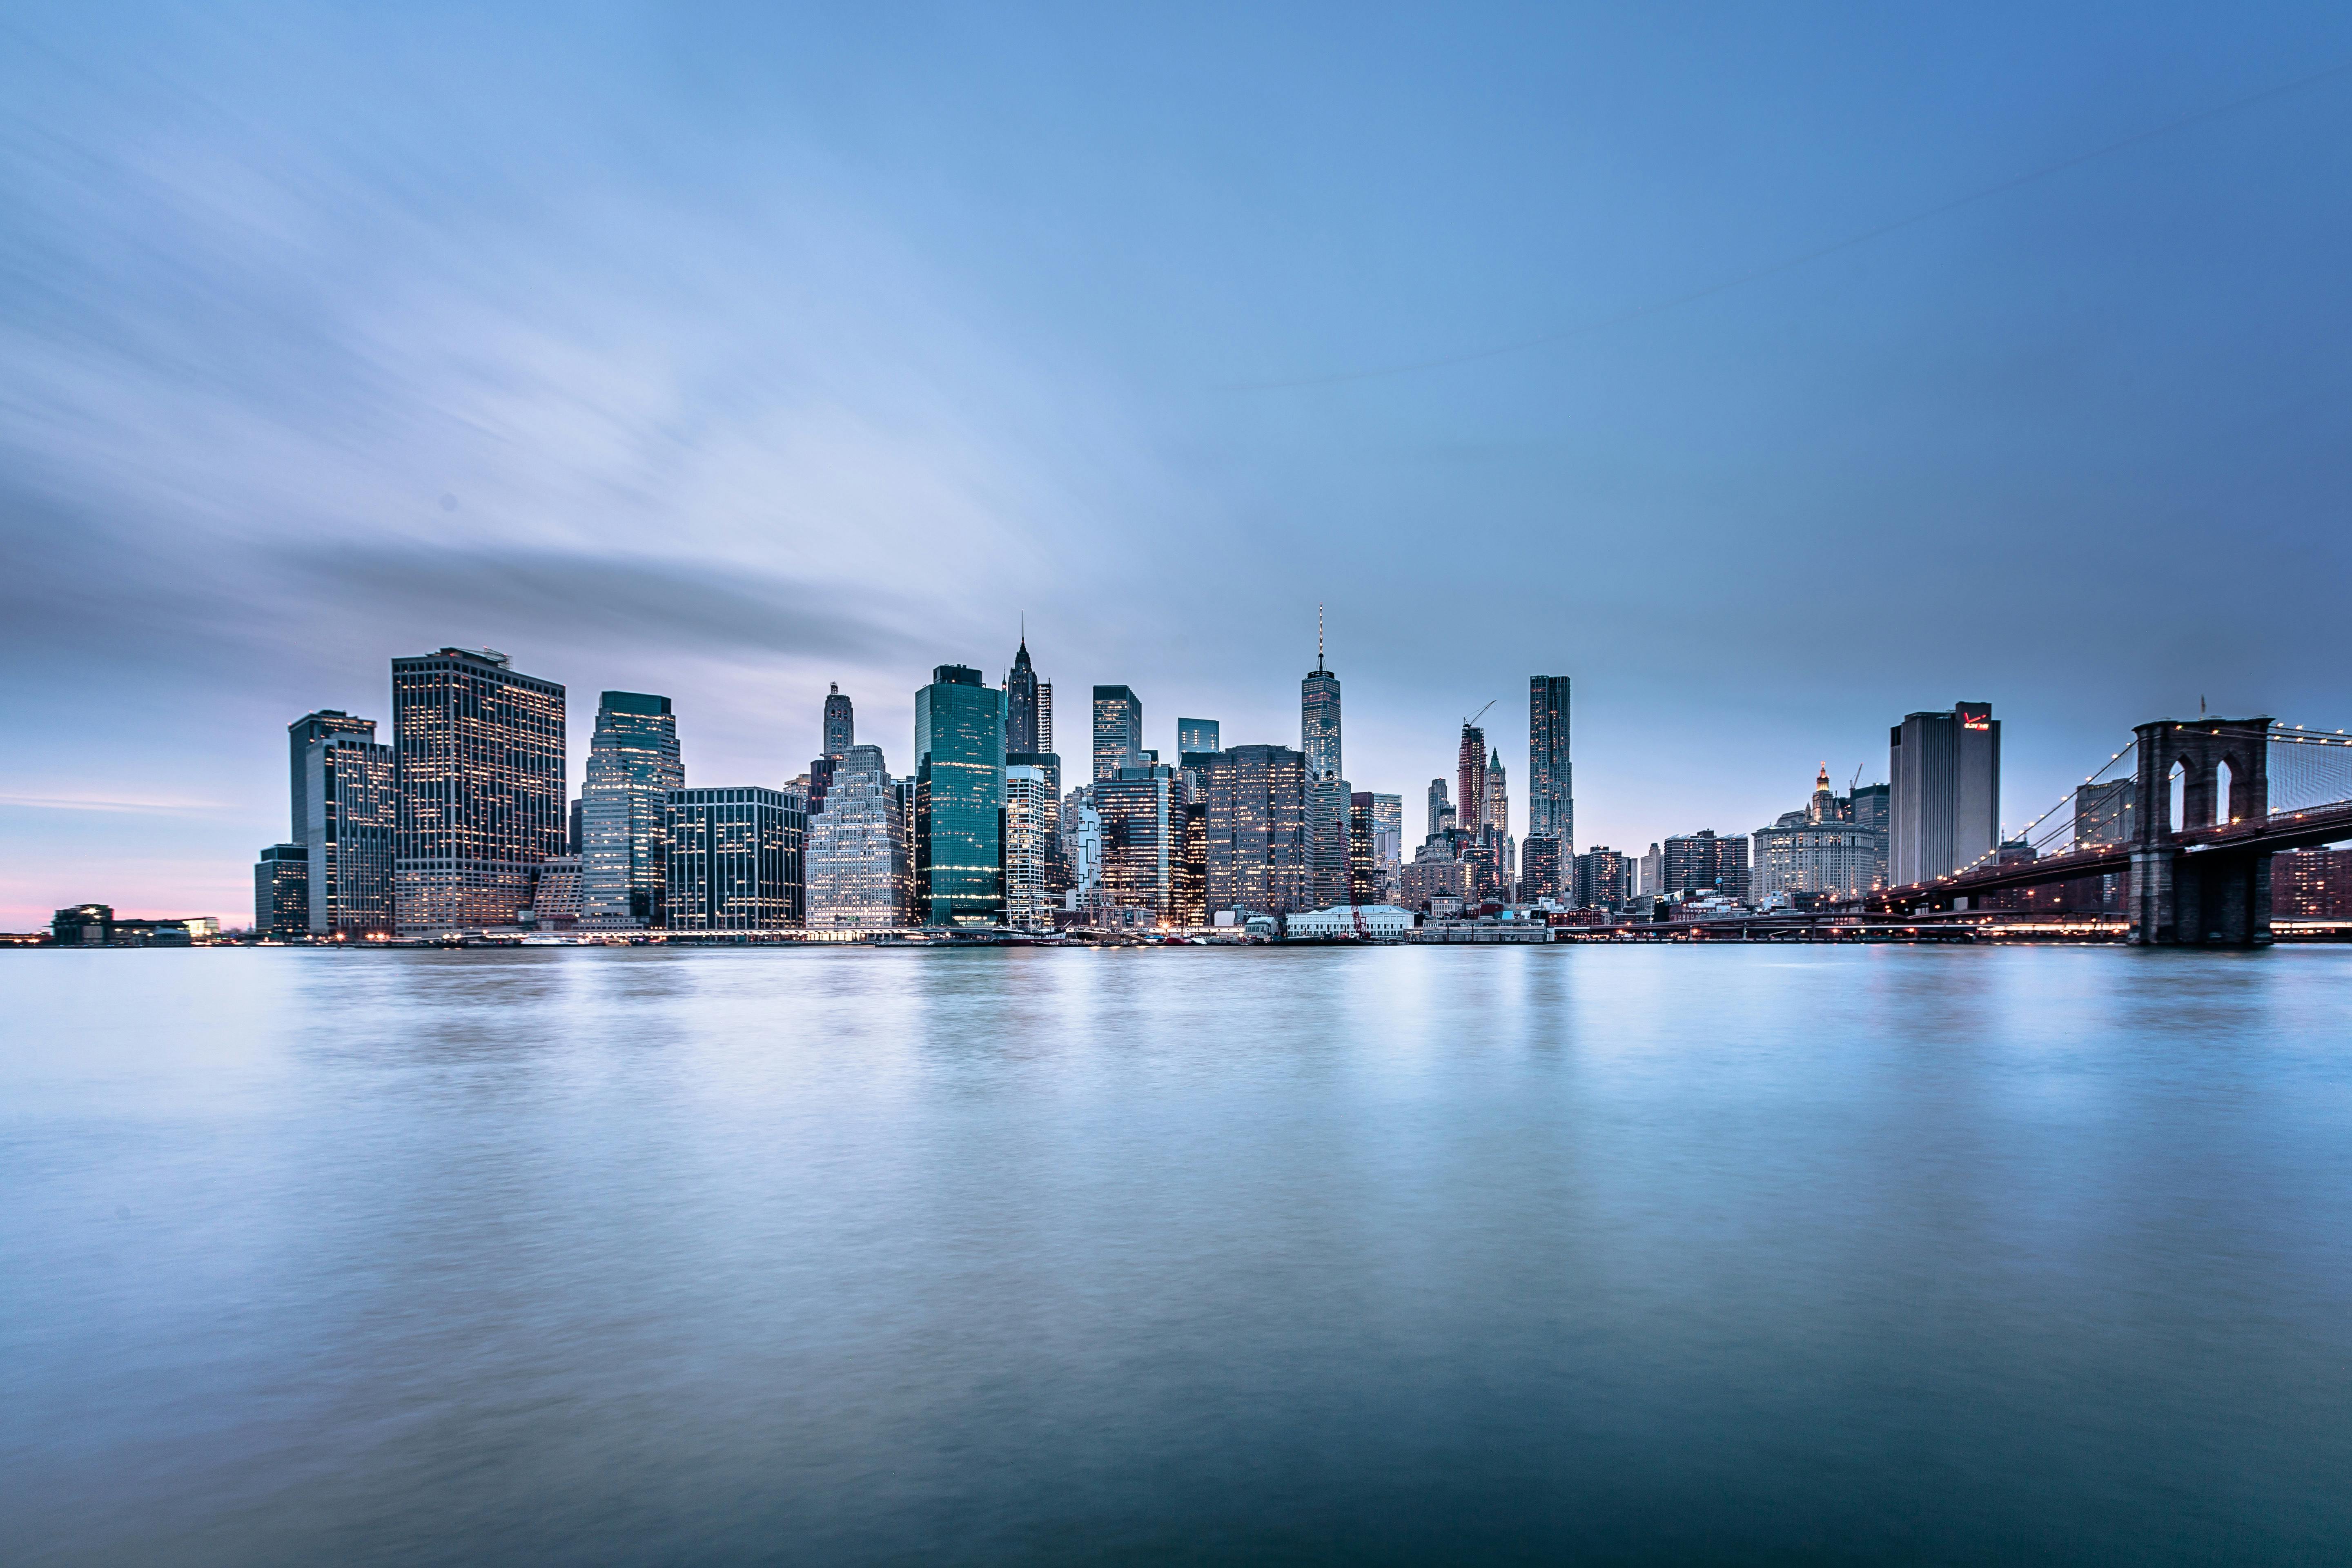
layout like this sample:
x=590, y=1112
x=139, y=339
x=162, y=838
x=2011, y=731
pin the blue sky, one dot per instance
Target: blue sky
x=725, y=353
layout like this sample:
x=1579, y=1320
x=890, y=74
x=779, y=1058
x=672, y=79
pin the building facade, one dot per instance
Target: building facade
x=1329, y=817
x=958, y=800
x=858, y=868
x=482, y=798
x=281, y=892
x=1256, y=829
x=734, y=859
x=840, y=723
x=555, y=905
x=1944, y=791
x=1600, y=879
x=301, y=735
x=1551, y=794
x=1028, y=707
x=1032, y=817
x=1197, y=735
x=350, y=810
x=1318, y=723
x=1141, y=811
x=1081, y=848
x=2312, y=885
x=632, y=767
x=1540, y=871
x=1701, y=863
x=1118, y=730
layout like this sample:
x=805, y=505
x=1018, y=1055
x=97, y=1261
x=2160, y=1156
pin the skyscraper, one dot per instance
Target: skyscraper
x=1388, y=839
x=1470, y=780
x=633, y=766
x=1257, y=843
x=1552, y=799
x=1142, y=813
x=958, y=799
x=734, y=859
x=1498, y=798
x=299, y=735
x=1196, y=735
x=857, y=864
x=1702, y=863
x=349, y=805
x=281, y=891
x=1329, y=817
x=481, y=788
x=1032, y=819
x=840, y=723
x=1441, y=810
x=1318, y=714
x=1944, y=797
x=1118, y=730
x=1028, y=707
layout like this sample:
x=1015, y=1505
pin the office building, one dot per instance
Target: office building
x=1329, y=812
x=1196, y=735
x=1118, y=730
x=555, y=904
x=632, y=767
x=482, y=797
x=1082, y=847
x=1031, y=817
x=1470, y=781
x=1816, y=849
x=1653, y=877
x=2311, y=885
x=734, y=859
x=1256, y=829
x=1701, y=863
x=281, y=892
x=1028, y=707
x=856, y=856
x=840, y=723
x=1318, y=715
x=958, y=800
x=1438, y=877
x=1539, y=875
x=1388, y=839
x=1191, y=894
x=301, y=735
x=1551, y=795
x=349, y=805
x=1367, y=874
x=1498, y=798
x=1142, y=816
x=1944, y=795
x=1441, y=810
x=1057, y=871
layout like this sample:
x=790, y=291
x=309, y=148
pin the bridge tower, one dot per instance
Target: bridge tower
x=2182, y=891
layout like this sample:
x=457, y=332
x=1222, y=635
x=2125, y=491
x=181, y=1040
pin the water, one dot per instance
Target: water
x=640, y=1256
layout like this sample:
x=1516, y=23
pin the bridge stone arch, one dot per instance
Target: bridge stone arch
x=2189, y=893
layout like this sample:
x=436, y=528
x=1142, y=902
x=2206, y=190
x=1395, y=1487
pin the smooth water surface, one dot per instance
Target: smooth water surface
x=812, y=1257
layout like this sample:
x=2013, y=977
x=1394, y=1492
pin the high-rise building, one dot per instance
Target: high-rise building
x=1196, y=735
x=1702, y=863
x=1318, y=714
x=1081, y=847
x=1654, y=873
x=1551, y=794
x=281, y=892
x=1600, y=879
x=1118, y=730
x=1540, y=870
x=840, y=723
x=1142, y=816
x=299, y=737
x=1816, y=849
x=1031, y=816
x=1944, y=792
x=481, y=788
x=632, y=767
x=1441, y=810
x=555, y=905
x=1367, y=879
x=349, y=805
x=1028, y=707
x=958, y=799
x=1470, y=780
x=1498, y=798
x=1329, y=819
x=1191, y=897
x=856, y=858
x=2311, y=884
x=1256, y=849
x=1057, y=876
x=1388, y=838
x=734, y=858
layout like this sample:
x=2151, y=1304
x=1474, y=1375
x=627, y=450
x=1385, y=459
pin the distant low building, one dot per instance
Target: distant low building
x=2312, y=885
x=1381, y=921
x=556, y=905
x=281, y=891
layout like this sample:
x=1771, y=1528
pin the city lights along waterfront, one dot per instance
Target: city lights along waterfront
x=462, y=830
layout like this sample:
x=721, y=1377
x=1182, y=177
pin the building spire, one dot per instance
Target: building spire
x=1318, y=638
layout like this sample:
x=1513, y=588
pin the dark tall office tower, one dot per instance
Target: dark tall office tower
x=1327, y=817
x=1944, y=794
x=735, y=860
x=1551, y=797
x=481, y=788
x=1191, y=897
x=633, y=765
x=349, y=804
x=840, y=723
x=1142, y=813
x=1441, y=810
x=1388, y=840
x=299, y=735
x=1365, y=867
x=281, y=892
x=958, y=800
x=1318, y=714
x=1028, y=707
x=1118, y=730
x=1197, y=735
x=1256, y=829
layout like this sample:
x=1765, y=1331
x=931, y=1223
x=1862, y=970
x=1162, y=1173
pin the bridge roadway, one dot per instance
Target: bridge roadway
x=2279, y=831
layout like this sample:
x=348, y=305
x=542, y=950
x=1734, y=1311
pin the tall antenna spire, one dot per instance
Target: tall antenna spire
x=1318, y=636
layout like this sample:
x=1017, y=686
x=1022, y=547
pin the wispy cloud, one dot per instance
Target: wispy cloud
x=135, y=805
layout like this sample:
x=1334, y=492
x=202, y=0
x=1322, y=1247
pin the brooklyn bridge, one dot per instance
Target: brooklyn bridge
x=2176, y=832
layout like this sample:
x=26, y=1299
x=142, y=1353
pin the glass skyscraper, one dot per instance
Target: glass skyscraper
x=1551, y=795
x=1318, y=720
x=1196, y=735
x=1118, y=730
x=1256, y=829
x=733, y=858
x=299, y=735
x=1944, y=792
x=349, y=807
x=958, y=799
x=633, y=765
x=481, y=788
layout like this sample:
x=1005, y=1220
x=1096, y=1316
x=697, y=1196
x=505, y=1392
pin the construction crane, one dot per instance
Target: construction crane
x=1472, y=721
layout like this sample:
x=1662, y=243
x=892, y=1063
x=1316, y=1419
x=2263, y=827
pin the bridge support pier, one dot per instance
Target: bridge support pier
x=2213, y=897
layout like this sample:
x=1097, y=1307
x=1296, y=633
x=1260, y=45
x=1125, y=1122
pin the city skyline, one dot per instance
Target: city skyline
x=679, y=365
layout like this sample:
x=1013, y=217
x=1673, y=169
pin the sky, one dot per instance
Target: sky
x=725, y=353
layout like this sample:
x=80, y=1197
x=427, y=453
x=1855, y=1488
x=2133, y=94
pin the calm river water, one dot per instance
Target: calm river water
x=646, y=1257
